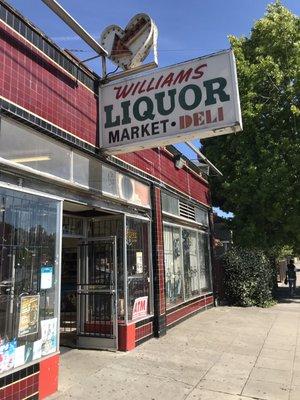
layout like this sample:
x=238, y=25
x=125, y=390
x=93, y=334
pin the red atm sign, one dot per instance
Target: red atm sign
x=195, y=99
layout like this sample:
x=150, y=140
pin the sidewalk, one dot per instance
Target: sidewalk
x=225, y=353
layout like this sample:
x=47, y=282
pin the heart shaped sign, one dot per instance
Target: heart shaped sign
x=128, y=48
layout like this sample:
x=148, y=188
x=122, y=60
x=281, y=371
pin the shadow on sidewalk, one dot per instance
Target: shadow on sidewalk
x=283, y=295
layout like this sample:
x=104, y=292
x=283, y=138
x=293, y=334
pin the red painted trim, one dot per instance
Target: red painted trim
x=126, y=337
x=48, y=382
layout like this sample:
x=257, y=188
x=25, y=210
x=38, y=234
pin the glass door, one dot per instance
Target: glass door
x=97, y=294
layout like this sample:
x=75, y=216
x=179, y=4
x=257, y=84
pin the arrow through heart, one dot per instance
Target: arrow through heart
x=128, y=48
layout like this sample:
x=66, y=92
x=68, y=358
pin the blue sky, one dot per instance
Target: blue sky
x=187, y=29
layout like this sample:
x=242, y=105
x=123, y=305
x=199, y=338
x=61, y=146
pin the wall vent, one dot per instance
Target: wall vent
x=187, y=211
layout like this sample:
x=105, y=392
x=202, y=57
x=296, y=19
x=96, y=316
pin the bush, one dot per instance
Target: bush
x=248, y=276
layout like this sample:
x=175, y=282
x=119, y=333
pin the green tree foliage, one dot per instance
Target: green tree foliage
x=261, y=165
x=248, y=278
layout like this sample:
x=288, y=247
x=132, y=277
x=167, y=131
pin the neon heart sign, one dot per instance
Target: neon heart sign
x=128, y=48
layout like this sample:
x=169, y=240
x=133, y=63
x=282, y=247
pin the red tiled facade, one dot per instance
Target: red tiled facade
x=36, y=83
x=186, y=310
x=159, y=163
x=143, y=331
x=33, y=81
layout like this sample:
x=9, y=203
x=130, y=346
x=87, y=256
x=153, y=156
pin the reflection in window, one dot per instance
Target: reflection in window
x=27, y=147
x=205, y=268
x=29, y=268
x=172, y=247
x=138, y=270
x=187, y=264
x=190, y=263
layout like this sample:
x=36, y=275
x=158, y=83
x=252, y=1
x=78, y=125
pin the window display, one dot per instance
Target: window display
x=172, y=246
x=29, y=268
x=190, y=263
x=187, y=263
x=138, y=270
x=205, y=270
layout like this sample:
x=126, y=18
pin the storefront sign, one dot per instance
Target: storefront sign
x=140, y=307
x=29, y=315
x=128, y=48
x=195, y=99
x=46, y=277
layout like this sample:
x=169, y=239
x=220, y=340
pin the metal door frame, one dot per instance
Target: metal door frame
x=86, y=341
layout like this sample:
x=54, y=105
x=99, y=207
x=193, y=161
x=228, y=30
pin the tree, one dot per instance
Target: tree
x=261, y=165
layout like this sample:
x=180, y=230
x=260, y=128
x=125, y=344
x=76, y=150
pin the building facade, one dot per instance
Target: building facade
x=97, y=251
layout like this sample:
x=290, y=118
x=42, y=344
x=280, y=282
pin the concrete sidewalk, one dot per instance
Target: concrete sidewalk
x=225, y=353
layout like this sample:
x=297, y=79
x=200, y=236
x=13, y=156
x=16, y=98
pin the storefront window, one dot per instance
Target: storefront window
x=172, y=246
x=138, y=268
x=29, y=273
x=205, y=264
x=187, y=263
x=27, y=147
x=190, y=263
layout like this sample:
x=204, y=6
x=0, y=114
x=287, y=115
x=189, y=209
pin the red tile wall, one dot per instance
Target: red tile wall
x=22, y=389
x=33, y=81
x=160, y=164
x=188, y=309
x=143, y=331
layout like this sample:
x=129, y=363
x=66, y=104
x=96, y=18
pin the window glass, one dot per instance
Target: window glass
x=205, y=264
x=29, y=272
x=190, y=263
x=23, y=146
x=201, y=216
x=169, y=204
x=72, y=226
x=187, y=264
x=173, y=265
x=86, y=171
x=138, y=268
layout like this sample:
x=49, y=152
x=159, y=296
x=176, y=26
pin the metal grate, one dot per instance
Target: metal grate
x=96, y=291
x=187, y=211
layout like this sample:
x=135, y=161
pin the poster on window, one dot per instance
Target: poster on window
x=46, y=277
x=139, y=262
x=19, y=356
x=140, y=307
x=49, y=336
x=29, y=315
x=7, y=354
x=37, y=349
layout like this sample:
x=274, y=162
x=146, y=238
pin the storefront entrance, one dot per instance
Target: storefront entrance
x=96, y=294
x=89, y=281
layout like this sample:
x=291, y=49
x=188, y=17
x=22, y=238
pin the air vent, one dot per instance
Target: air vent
x=187, y=211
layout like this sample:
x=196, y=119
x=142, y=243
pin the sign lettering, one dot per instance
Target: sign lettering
x=196, y=99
